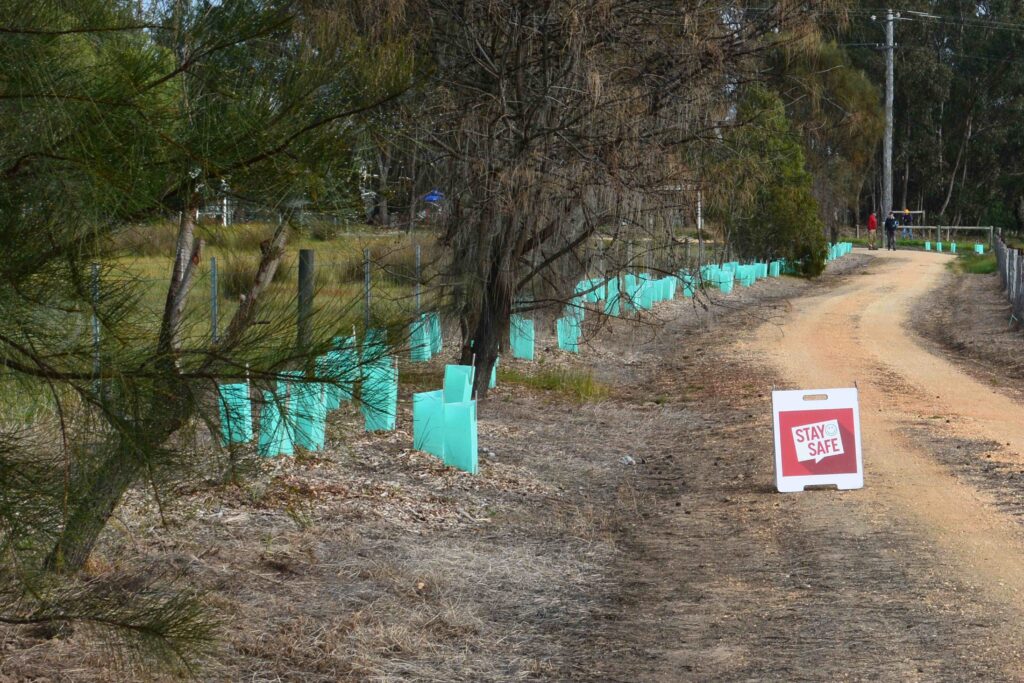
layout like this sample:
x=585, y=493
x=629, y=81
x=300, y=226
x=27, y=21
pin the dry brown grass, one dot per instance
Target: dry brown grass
x=372, y=562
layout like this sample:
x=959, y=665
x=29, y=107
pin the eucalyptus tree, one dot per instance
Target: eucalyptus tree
x=836, y=110
x=959, y=95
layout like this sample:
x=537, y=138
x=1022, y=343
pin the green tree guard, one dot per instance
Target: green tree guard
x=379, y=403
x=460, y=436
x=568, y=334
x=420, y=344
x=375, y=346
x=428, y=422
x=645, y=296
x=274, y=437
x=521, y=337
x=329, y=367
x=347, y=366
x=687, y=280
x=235, y=414
x=458, y=383
x=310, y=416
x=435, y=333
x=725, y=282
x=612, y=301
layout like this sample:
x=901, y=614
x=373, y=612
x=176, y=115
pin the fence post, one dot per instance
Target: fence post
x=366, y=288
x=306, y=270
x=417, y=281
x=214, y=300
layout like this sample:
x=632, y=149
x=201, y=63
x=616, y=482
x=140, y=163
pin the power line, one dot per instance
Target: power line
x=925, y=17
x=941, y=51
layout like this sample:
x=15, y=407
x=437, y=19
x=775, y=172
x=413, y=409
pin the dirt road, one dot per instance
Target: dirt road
x=860, y=332
x=919, y=576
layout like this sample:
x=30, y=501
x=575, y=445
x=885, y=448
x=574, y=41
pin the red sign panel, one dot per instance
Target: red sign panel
x=817, y=439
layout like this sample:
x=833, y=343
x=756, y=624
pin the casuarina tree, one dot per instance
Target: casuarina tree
x=557, y=119
x=116, y=115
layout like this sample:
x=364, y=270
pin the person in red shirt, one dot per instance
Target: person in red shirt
x=872, y=230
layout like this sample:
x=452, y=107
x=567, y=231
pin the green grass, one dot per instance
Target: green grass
x=143, y=256
x=577, y=384
x=976, y=264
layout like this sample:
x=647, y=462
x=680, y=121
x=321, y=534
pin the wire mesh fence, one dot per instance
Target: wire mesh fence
x=1010, y=262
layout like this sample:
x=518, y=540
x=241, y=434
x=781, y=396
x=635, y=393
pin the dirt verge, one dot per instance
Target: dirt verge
x=968, y=319
x=631, y=538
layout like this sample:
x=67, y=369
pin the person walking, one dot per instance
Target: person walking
x=907, y=222
x=890, y=231
x=872, y=231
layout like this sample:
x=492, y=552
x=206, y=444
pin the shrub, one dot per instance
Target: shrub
x=234, y=274
x=237, y=237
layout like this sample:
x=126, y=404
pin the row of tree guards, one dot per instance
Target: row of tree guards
x=978, y=247
x=294, y=413
x=633, y=293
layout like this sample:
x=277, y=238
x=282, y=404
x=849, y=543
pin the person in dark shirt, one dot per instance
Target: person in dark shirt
x=890, y=231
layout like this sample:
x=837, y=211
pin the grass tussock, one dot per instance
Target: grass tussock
x=159, y=239
x=977, y=264
x=577, y=384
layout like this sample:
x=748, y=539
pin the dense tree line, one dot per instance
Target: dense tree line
x=959, y=96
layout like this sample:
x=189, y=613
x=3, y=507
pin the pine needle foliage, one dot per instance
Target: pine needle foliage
x=122, y=114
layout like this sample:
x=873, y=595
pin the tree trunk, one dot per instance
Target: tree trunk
x=98, y=500
x=490, y=329
x=413, y=169
x=492, y=322
x=856, y=207
x=956, y=167
x=168, y=410
x=98, y=497
x=382, y=210
x=906, y=164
